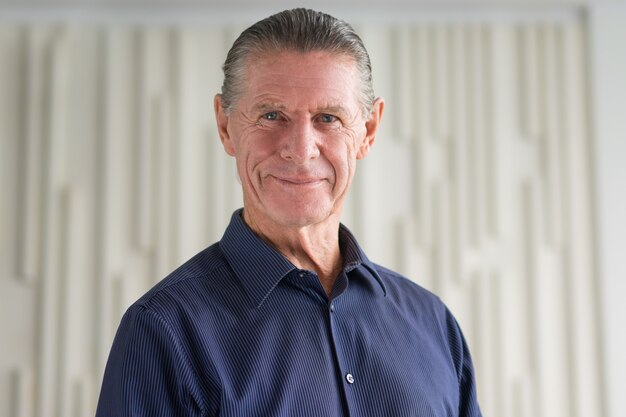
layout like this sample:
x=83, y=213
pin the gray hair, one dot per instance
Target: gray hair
x=300, y=30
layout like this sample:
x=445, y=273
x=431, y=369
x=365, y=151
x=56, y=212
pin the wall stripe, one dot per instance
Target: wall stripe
x=115, y=175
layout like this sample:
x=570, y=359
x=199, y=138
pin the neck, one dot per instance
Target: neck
x=313, y=247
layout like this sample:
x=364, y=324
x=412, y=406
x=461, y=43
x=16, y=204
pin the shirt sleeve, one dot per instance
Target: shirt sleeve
x=146, y=374
x=468, y=401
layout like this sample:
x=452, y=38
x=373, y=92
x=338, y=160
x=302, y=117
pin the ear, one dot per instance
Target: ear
x=222, y=125
x=371, y=126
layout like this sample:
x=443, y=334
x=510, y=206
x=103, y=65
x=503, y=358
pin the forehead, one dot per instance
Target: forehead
x=292, y=78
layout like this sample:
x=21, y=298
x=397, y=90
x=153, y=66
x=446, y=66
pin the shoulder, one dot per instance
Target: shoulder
x=428, y=311
x=420, y=305
x=407, y=292
x=192, y=280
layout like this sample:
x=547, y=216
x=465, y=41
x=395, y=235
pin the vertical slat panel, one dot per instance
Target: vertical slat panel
x=557, y=213
x=480, y=148
x=190, y=205
x=405, y=84
x=421, y=134
x=22, y=383
x=586, y=358
x=144, y=151
x=31, y=206
x=567, y=144
x=491, y=211
x=117, y=62
x=550, y=155
x=471, y=154
x=496, y=357
x=172, y=113
x=529, y=301
x=12, y=152
x=118, y=164
x=100, y=86
x=162, y=172
x=440, y=80
x=529, y=82
x=479, y=332
x=64, y=352
x=197, y=140
x=457, y=147
x=436, y=251
x=459, y=126
x=52, y=237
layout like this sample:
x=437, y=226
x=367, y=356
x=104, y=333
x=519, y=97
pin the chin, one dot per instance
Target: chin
x=299, y=215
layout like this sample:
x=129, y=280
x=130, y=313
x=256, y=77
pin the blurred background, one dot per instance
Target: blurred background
x=498, y=181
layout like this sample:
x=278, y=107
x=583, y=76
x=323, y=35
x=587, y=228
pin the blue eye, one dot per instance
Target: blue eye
x=272, y=115
x=327, y=118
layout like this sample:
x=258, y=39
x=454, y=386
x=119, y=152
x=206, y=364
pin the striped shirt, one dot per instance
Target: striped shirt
x=238, y=330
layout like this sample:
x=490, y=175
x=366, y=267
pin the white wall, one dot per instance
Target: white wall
x=608, y=57
x=481, y=187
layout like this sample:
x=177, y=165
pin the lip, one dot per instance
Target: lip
x=299, y=181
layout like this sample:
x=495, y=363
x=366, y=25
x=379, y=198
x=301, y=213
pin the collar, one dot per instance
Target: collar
x=260, y=267
x=354, y=257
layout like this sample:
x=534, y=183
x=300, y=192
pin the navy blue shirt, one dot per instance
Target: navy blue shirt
x=238, y=330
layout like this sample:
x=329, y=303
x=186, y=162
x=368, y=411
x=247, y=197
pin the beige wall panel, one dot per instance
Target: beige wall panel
x=11, y=155
x=478, y=188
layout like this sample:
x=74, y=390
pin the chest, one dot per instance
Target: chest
x=332, y=359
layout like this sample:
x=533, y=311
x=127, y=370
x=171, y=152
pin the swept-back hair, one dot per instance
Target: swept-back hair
x=299, y=30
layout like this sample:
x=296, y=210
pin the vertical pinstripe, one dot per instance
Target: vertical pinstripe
x=239, y=331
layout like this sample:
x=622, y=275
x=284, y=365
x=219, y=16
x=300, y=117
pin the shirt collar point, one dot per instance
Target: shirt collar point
x=372, y=270
x=258, y=267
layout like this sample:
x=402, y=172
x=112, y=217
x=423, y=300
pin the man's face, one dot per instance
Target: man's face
x=296, y=133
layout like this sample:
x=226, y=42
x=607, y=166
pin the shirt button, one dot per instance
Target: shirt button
x=350, y=378
x=332, y=308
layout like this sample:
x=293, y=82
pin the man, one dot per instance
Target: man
x=286, y=316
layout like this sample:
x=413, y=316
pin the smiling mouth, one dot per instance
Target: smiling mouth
x=299, y=181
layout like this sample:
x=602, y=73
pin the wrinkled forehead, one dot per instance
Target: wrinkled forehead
x=314, y=60
x=269, y=54
x=316, y=73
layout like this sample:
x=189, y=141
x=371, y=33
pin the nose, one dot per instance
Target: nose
x=300, y=144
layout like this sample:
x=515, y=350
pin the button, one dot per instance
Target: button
x=350, y=378
x=301, y=274
x=332, y=308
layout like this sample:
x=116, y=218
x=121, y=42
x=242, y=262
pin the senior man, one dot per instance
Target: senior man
x=285, y=315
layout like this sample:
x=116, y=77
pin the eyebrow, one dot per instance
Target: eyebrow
x=268, y=106
x=333, y=109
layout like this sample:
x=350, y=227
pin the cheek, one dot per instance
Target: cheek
x=256, y=150
x=342, y=157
